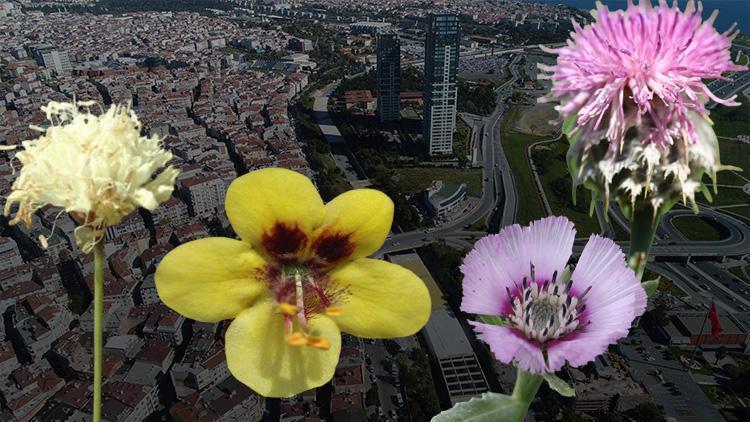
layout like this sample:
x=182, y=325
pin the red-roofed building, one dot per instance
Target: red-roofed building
x=348, y=379
x=229, y=400
x=8, y=359
x=361, y=100
x=139, y=401
x=159, y=352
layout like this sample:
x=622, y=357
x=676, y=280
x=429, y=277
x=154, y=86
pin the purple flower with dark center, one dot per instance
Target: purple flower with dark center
x=551, y=315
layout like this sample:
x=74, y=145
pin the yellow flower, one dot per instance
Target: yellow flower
x=297, y=277
x=98, y=168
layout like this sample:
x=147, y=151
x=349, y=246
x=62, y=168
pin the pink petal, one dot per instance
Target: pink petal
x=508, y=346
x=602, y=267
x=550, y=244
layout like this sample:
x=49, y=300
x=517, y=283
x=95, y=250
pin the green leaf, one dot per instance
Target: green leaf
x=650, y=286
x=559, y=385
x=706, y=192
x=493, y=320
x=491, y=407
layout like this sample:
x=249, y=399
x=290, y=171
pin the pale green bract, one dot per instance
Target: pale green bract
x=557, y=384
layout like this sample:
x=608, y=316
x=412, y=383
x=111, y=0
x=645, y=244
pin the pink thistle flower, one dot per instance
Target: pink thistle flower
x=552, y=316
x=632, y=86
x=627, y=62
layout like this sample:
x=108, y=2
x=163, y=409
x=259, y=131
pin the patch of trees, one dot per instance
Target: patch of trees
x=476, y=99
x=416, y=376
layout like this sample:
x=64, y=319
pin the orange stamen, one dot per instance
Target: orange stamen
x=334, y=311
x=297, y=339
x=319, y=343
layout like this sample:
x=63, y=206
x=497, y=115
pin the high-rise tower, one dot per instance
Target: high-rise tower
x=441, y=66
x=389, y=76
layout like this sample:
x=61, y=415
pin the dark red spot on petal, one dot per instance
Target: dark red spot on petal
x=284, y=240
x=332, y=247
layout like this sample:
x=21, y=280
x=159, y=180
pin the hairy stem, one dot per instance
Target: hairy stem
x=98, y=317
x=527, y=384
x=643, y=226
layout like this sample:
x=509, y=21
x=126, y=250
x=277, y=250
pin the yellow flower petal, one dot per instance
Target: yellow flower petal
x=210, y=279
x=259, y=356
x=275, y=210
x=355, y=226
x=386, y=300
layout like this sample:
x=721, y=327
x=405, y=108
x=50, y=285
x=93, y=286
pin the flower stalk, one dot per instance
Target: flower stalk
x=98, y=332
x=643, y=224
x=525, y=389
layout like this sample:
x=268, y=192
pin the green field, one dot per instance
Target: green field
x=549, y=159
x=416, y=179
x=514, y=144
x=552, y=169
x=697, y=228
x=732, y=121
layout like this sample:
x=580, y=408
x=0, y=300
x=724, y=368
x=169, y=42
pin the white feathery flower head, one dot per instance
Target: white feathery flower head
x=97, y=168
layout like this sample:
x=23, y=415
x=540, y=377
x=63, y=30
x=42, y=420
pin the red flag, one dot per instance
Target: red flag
x=713, y=316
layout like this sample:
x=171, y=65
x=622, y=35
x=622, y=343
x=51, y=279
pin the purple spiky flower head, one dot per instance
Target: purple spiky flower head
x=551, y=315
x=631, y=89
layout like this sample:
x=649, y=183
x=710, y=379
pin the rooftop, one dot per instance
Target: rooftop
x=445, y=335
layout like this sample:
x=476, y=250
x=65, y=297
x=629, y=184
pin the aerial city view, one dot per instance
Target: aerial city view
x=540, y=212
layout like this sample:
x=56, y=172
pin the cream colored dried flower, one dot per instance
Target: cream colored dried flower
x=97, y=168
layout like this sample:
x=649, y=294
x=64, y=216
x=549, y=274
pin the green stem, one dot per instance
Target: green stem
x=98, y=317
x=527, y=384
x=642, y=232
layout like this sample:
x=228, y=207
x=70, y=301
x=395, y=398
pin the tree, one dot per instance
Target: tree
x=656, y=317
x=646, y=412
x=371, y=397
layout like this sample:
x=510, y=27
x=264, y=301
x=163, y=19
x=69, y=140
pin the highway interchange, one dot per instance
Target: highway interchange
x=497, y=206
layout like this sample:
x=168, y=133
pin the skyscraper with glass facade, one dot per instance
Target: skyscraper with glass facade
x=442, y=44
x=389, y=76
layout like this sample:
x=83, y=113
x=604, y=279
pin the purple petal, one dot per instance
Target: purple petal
x=485, y=279
x=508, y=346
x=614, y=300
x=550, y=244
x=602, y=267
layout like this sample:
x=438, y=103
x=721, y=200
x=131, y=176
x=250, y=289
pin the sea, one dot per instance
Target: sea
x=730, y=11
